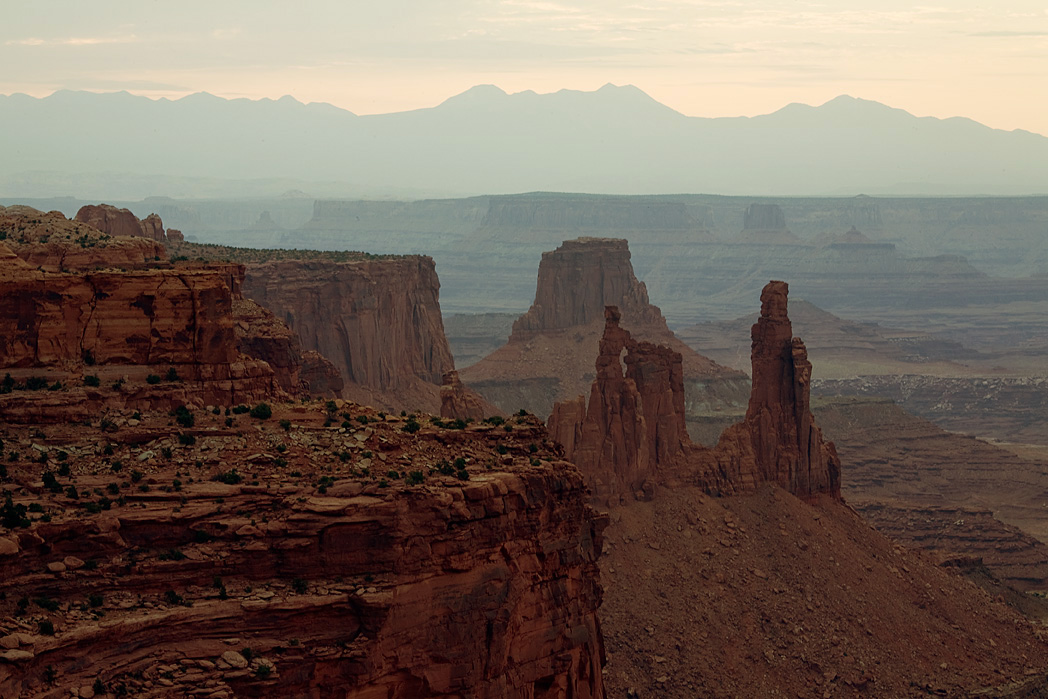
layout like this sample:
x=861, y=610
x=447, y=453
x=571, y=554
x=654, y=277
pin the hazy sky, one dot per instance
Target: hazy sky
x=701, y=57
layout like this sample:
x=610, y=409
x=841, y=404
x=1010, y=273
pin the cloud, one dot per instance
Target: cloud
x=1008, y=34
x=75, y=41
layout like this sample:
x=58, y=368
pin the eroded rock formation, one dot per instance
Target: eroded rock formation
x=378, y=321
x=122, y=222
x=788, y=448
x=458, y=402
x=55, y=243
x=478, y=584
x=550, y=353
x=146, y=334
x=632, y=435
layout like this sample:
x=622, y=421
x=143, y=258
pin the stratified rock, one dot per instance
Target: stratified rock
x=146, y=333
x=577, y=280
x=259, y=334
x=633, y=434
x=460, y=403
x=787, y=446
x=54, y=243
x=550, y=353
x=174, y=235
x=121, y=222
x=480, y=584
x=766, y=224
x=319, y=376
x=764, y=217
x=378, y=321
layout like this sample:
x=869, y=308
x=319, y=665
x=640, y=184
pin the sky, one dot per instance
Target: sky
x=707, y=58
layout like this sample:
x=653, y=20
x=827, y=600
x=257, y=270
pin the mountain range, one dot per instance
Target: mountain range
x=612, y=140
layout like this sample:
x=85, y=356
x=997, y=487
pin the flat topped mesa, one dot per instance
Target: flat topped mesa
x=578, y=279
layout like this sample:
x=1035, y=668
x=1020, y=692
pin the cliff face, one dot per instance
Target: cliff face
x=461, y=403
x=122, y=327
x=632, y=435
x=480, y=584
x=577, y=280
x=550, y=353
x=53, y=242
x=148, y=334
x=378, y=321
x=121, y=222
x=788, y=447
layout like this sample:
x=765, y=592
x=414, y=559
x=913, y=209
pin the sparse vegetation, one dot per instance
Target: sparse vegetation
x=262, y=411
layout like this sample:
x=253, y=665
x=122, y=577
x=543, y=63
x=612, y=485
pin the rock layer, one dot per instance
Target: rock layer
x=481, y=584
x=146, y=333
x=460, y=403
x=378, y=321
x=632, y=436
x=121, y=222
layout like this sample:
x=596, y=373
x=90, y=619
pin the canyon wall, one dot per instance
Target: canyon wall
x=480, y=584
x=550, y=353
x=121, y=222
x=378, y=321
x=103, y=322
x=632, y=435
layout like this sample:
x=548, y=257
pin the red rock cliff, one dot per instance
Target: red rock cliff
x=97, y=332
x=632, y=436
x=121, y=222
x=788, y=447
x=482, y=584
x=550, y=353
x=578, y=279
x=53, y=242
x=378, y=321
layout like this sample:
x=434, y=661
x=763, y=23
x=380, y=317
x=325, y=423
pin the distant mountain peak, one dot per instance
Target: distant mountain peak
x=477, y=93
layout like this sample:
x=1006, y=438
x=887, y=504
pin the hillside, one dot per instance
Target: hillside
x=612, y=140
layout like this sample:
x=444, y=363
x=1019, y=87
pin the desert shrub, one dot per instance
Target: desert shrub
x=13, y=516
x=152, y=379
x=36, y=383
x=411, y=426
x=285, y=425
x=184, y=417
x=50, y=482
x=230, y=477
x=416, y=478
x=92, y=381
x=172, y=375
x=262, y=411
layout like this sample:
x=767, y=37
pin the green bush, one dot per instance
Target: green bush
x=152, y=379
x=92, y=381
x=262, y=411
x=183, y=417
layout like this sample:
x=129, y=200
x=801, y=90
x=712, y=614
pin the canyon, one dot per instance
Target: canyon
x=278, y=537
